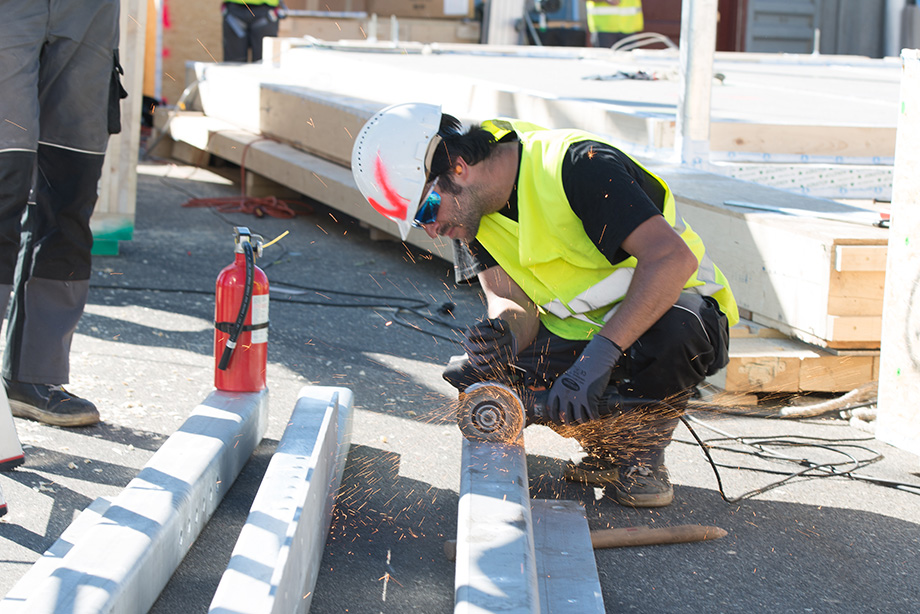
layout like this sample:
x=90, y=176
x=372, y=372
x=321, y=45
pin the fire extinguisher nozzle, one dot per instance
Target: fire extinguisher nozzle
x=225, y=358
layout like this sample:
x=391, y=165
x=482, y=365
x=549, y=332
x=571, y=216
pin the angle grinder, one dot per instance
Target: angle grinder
x=491, y=411
x=496, y=412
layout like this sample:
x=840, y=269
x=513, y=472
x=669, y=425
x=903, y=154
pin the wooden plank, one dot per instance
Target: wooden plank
x=318, y=122
x=816, y=140
x=792, y=290
x=759, y=364
x=339, y=27
x=820, y=341
x=192, y=33
x=860, y=257
x=856, y=293
x=854, y=329
x=747, y=328
x=324, y=181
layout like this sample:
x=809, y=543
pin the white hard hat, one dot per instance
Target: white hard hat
x=390, y=157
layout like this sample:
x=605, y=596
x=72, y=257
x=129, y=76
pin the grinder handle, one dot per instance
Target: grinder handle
x=608, y=405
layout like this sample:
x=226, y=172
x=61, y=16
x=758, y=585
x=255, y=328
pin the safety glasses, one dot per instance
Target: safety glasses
x=428, y=211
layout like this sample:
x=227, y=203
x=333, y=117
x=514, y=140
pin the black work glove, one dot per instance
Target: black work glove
x=574, y=395
x=490, y=344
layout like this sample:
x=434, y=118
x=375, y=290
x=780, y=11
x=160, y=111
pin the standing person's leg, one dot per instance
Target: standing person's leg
x=54, y=267
x=264, y=24
x=608, y=39
x=236, y=19
x=22, y=33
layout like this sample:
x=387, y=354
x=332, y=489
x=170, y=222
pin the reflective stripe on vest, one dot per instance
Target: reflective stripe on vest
x=551, y=257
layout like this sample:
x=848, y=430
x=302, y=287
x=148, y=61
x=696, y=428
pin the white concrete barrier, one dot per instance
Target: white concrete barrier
x=275, y=562
x=118, y=557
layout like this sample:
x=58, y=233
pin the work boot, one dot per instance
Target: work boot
x=634, y=485
x=642, y=486
x=50, y=404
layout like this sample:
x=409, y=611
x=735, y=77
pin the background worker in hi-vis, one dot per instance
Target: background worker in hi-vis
x=610, y=21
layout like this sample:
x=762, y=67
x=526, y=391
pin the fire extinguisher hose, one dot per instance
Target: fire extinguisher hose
x=244, y=308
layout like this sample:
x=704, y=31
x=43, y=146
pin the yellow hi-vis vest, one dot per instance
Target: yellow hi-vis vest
x=551, y=257
x=625, y=17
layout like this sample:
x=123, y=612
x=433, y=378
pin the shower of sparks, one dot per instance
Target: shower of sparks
x=206, y=50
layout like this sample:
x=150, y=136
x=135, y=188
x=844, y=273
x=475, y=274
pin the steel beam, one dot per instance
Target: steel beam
x=496, y=563
x=515, y=555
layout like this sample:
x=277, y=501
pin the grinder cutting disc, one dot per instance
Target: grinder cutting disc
x=490, y=411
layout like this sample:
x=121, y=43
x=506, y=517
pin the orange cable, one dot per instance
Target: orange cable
x=258, y=206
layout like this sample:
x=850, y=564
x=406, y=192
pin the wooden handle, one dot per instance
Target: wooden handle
x=645, y=536
x=633, y=536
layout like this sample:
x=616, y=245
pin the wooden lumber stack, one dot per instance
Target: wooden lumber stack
x=361, y=26
x=812, y=278
x=765, y=360
x=817, y=282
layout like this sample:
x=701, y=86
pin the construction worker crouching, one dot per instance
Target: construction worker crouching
x=594, y=284
x=246, y=23
x=610, y=21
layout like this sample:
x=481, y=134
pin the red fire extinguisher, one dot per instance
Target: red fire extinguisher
x=241, y=319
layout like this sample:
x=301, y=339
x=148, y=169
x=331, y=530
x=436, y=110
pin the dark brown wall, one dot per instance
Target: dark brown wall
x=663, y=17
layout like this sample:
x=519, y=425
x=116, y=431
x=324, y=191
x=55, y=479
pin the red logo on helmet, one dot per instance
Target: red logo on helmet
x=397, y=204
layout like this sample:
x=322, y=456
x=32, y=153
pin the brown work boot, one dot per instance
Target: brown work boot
x=633, y=485
x=50, y=404
x=641, y=486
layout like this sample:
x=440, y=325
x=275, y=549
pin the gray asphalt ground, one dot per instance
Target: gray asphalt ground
x=143, y=354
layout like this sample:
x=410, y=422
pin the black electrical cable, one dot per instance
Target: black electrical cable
x=823, y=470
x=415, y=306
x=244, y=307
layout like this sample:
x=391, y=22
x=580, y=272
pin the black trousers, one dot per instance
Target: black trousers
x=689, y=342
x=59, y=93
x=244, y=27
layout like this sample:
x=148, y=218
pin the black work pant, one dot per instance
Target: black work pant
x=689, y=342
x=244, y=27
x=59, y=96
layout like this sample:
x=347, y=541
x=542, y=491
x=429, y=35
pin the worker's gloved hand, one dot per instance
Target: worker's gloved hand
x=490, y=344
x=575, y=394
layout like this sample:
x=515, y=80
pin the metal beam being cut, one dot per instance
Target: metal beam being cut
x=514, y=555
